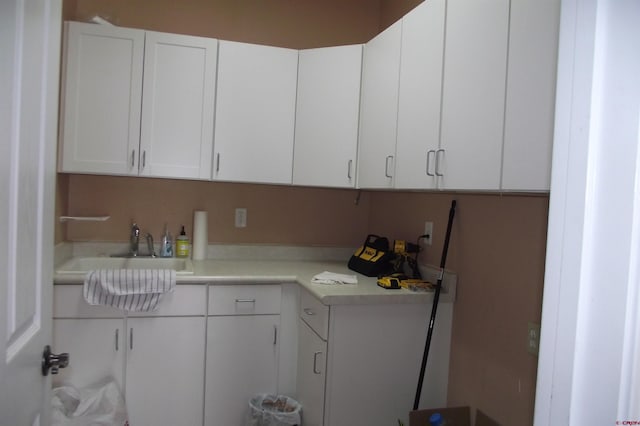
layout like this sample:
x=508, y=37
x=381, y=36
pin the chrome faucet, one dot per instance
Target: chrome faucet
x=152, y=253
x=134, y=239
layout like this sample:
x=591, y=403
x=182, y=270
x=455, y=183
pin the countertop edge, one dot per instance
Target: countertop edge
x=223, y=272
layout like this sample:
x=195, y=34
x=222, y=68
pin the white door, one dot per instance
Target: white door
x=255, y=113
x=473, y=94
x=531, y=84
x=97, y=347
x=165, y=364
x=101, y=99
x=312, y=362
x=242, y=361
x=420, y=94
x=379, y=109
x=30, y=51
x=178, y=100
x=328, y=104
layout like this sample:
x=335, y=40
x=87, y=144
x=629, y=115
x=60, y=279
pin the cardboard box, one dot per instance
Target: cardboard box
x=454, y=416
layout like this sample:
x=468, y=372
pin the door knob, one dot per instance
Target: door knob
x=53, y=362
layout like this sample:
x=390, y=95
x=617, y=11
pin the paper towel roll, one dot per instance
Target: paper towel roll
x=200, y=235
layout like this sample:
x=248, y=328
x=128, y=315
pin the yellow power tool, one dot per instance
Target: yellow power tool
x=399, y=279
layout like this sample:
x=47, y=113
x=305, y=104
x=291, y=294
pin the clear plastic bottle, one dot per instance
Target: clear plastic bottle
x=166, y=248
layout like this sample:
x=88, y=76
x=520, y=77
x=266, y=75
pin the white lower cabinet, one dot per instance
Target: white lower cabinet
x=365, y=371
x=242, y=349
x=96, y=347
x=164, y=380
x=156, y=358
x=312, y=360
x=203, y=355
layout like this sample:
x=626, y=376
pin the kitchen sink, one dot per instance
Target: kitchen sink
x=80, y=265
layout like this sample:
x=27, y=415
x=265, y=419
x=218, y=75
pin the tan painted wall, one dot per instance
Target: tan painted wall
x=498, y=242
x=497, y=249
x=276, y=214
x=393, y=10
x=287, y=23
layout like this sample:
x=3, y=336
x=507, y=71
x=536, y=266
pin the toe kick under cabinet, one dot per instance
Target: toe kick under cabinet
x=156, y=358
x=359, y=364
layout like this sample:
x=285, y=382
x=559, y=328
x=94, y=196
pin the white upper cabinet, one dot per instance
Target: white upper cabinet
x=178, y=106
x=104, y=106
x=528, y=133
x=101, y=98
x=420, y=94
x=328, y=104
x=255, y=113
x=475, y=66
x=378, y=109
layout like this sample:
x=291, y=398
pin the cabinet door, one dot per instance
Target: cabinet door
x=100, y=125
x=328, y=104
x=96, y=351
x=420, y=95
x=165, y=364
x=379, y=108
x=178, y=106
x=529, y=115
x=255, y=113
x=242, y=361
x=475, y=66
x=312, y=359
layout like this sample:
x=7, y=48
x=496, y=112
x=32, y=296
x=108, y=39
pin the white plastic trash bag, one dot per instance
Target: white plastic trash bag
x=102, y=406
x=273, y=410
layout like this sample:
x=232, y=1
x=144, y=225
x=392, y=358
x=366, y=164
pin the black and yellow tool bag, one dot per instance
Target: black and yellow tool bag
x=373, y=258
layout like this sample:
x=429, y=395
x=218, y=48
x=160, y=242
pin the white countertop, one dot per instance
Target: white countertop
x=238, y=264
x=300, y=272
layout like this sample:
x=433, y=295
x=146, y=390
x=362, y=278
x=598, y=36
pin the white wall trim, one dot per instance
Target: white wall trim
x=588, y=370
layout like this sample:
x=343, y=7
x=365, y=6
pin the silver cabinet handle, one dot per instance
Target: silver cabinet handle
x=386, y=166
x=217, y=162
x=308, y=311
x=144, y=159
x=315, y=362
x=438, y=173
x=117, y=338
x=349, y=169
x=133, y=158
x=429, y=153
x=245, y=300
x=131, y=338
x=275, y=335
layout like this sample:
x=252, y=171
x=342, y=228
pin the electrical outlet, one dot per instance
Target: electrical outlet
x=428, y=231
x=533, y=338
x=241, y=218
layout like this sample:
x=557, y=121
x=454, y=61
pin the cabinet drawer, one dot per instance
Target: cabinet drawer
x=244, y=299
x=186, y=300
x=68, y=302
x=315, y=314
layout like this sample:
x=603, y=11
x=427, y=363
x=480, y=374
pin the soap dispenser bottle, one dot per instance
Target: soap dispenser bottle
x=166, y=248
x=182, y=244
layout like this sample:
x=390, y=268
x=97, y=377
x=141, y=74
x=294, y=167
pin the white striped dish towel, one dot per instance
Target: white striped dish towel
x=137, y=290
